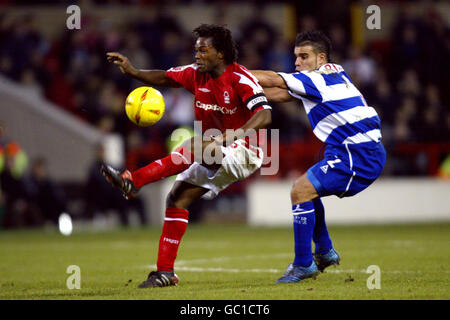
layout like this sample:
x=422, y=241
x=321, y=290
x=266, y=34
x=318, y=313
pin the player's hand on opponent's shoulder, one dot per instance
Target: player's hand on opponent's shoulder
x=122, y=62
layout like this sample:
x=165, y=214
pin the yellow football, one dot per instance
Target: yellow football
x=145, y=106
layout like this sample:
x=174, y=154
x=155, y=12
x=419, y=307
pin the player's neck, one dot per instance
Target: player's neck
x=219, y=70
x=319, y=65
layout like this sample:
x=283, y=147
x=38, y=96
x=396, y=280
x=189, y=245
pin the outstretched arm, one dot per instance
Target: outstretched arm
x=274, y=86
x=151, y=77
x=276, y=94
x=269, y=79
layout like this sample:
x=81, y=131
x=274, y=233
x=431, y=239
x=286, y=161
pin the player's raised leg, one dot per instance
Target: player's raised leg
x=175, y=224
x=176, y=162
x=122, y=180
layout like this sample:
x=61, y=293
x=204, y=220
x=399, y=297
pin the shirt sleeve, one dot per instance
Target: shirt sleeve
x=300, y=84
x=184, y=76
x=251, y=92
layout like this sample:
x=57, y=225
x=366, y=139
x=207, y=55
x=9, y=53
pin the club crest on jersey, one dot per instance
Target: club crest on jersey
x=226, y=97
x=324, y=168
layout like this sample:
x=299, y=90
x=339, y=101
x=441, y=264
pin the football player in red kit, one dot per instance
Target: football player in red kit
x=227, y=96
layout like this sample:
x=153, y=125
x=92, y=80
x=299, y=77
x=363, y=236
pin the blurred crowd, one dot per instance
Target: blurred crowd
x=27, y=197
x=30, y=197
x=404, y=76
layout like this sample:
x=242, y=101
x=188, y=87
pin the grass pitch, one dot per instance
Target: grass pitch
x=231, y=262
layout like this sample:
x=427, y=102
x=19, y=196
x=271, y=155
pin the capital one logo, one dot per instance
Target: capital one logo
x=215, y=107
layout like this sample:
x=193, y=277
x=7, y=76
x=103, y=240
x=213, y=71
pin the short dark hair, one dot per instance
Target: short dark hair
x=317, y=39
x=222, y=40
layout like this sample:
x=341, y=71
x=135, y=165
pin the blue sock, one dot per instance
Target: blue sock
x=304, y=220
x=320, y=236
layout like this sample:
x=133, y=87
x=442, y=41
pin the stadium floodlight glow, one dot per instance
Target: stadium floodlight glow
x=65, y=224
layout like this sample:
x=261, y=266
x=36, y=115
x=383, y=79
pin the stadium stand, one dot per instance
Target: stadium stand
x=402, y=74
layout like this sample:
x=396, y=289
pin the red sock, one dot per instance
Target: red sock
x=178, y=161
x=175, y=224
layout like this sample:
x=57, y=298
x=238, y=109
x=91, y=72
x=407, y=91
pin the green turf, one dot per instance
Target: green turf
x=226, y=262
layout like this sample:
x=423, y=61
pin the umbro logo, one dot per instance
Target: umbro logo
x=324, y=168
x=204, y=90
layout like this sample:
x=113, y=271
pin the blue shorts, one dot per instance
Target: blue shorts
x=347, y=169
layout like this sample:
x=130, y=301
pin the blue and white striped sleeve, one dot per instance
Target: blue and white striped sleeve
x=299, y=84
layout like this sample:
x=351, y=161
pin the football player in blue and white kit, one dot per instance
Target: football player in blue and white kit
x=354, y=156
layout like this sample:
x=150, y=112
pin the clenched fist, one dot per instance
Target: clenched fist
x=122, y=62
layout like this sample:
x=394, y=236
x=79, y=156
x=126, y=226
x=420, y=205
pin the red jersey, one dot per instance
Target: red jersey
x=225, y=102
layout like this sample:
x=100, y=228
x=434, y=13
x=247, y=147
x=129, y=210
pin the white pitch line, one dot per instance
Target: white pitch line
x=228, y=258
x=196, y=269
x=186, y=265
x=180, y=263
x=237, y=270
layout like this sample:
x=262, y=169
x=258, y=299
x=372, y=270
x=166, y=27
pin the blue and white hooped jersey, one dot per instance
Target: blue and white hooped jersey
x=336, y=109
